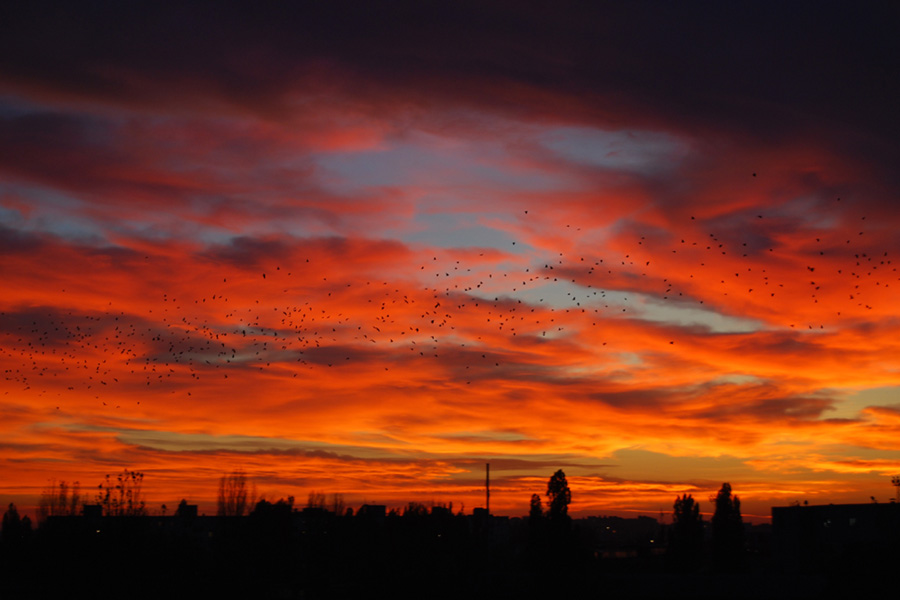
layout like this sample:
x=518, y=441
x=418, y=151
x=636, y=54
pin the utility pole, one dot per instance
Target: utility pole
x=487, y=487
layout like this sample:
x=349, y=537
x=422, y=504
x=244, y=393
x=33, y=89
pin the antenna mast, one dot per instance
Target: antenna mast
x=895, y=481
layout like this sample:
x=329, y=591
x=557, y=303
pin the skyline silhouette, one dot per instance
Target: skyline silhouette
x=277, y=549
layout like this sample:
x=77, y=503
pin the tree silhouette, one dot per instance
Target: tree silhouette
x=15, y=528
x=123, y=497
x=687, y=531
x=415, y=510
x=337, y=504
x=232, y=500
x=266, y=510
x=316, y=500
x=59, y=500
x=728, y=529
x=536, y=511
x=559, y=496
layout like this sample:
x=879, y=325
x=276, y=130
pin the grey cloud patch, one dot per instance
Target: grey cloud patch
x=206, y=443
x=181, y=442
x=537, y=464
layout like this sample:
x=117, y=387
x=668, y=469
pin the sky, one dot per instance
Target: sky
x=366, y=248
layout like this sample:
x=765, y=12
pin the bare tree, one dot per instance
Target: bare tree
x=337, y=504
x=233, y=500
x=122, y=497
x=316, y=500
x=60, y=500
x=415, y=509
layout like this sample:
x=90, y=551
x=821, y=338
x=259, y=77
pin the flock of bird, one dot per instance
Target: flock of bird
x=475, y=320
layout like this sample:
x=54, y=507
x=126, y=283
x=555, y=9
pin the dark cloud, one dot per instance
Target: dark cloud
x=762, y=68
x=266, y=253
x=635, y=399
x=43, y=325
x=340, y=355
x=55, y=146
x=16, y=241
x=248, y=252
x=744, y=77
x=770, y=409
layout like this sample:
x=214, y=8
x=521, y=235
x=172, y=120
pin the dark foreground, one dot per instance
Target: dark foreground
x=317, y=555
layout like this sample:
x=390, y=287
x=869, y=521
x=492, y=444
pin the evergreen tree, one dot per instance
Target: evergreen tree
x=536, y=511
x=686, y=543
x=559, y=496
x=728, y=529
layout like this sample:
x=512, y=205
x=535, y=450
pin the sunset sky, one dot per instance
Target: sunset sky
x=367, y=251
